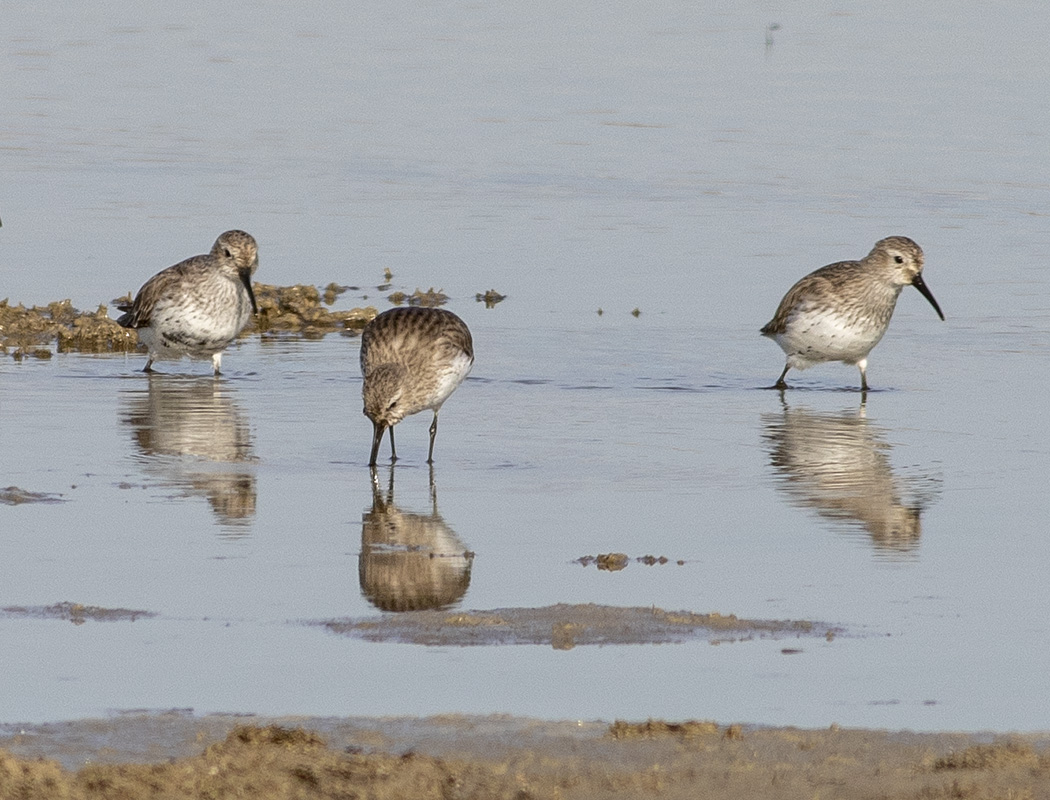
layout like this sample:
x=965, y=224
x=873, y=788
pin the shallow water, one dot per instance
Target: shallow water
x=600, y=157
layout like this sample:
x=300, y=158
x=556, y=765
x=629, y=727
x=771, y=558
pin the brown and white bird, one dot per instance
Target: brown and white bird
x=199, y=306
x=841, y=311
x=412, y=359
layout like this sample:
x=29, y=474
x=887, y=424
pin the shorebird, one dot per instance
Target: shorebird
x=841, y=311
x=198, y=306
x=412, y=359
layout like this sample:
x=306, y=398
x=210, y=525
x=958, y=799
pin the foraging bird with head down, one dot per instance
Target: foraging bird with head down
x=412, y=359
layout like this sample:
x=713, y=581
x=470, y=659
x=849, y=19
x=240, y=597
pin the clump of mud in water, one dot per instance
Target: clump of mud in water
x=613, y=562
x=333, y=290
x=95, y=333
x=431, y=298
x=566, y=626
x=298, y=309
x=29, y=332
x=13, y=496
x=490, y=298
x=77, y=613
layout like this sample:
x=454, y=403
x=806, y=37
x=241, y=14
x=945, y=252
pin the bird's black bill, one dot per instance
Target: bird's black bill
x=377, y=438
x=920, y=284
x=246, y=279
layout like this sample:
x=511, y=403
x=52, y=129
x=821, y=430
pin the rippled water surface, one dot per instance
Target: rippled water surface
x=661, y=157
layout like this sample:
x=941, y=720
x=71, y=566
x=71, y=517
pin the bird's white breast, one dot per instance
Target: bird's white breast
x=818, y=335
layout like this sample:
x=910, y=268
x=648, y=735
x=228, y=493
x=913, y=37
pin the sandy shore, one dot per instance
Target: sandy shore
x=179, y=755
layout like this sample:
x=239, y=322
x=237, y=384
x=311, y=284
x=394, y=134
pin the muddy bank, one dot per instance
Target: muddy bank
x=500, y=757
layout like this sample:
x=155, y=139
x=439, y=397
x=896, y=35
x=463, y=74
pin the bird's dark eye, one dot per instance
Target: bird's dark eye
x=230, y=255
x=898, y=259
x=392, y=406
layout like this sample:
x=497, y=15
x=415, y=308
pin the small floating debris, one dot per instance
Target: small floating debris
x=333, y=290
x=613, y=562
x=76, y=613
x=431, y=298
x=636, y=313
x=490, y=298
x=13, y=496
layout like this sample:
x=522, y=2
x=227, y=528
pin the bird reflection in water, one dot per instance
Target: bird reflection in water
x=410, y=561
x=839, y=465
x=192, y=435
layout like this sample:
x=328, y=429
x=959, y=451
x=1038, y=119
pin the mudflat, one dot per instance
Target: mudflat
x=180, y=755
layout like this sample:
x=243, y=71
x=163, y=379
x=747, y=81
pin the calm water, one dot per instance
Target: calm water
x=604, y=156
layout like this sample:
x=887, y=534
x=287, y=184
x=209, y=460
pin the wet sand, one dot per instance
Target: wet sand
x=178, y=755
